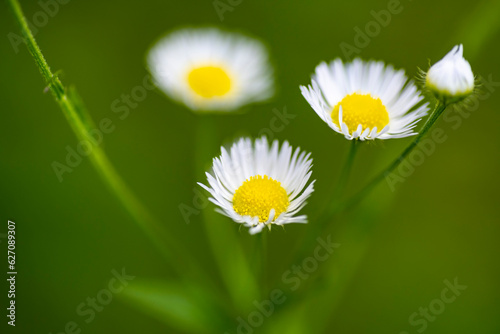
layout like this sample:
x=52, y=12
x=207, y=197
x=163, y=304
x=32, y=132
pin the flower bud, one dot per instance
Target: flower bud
x=451, y=79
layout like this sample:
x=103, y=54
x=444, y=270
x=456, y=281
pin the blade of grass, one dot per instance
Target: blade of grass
x=81, y=123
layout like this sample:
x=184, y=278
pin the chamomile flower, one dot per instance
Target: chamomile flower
x=210, y=70
x=451, y=78
x=365, y=100
x=258, y=185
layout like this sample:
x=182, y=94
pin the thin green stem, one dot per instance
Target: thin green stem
x=359, y=232
x=55, y=85
x=318, y=224
x=341, y=184
x=346, y=171
x=264, y=262
x=260, y=261
x=339, y=188
x=438, y=110
x=256, y=259
x=80, y=123
x=321, y=226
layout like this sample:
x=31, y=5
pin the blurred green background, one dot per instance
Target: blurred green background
x=441, y=223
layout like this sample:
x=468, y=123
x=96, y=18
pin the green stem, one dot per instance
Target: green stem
x=346, y=171
x=80, y=122
x=55, y=85
x=318, y=225
x=360, y=232
x=321, y=224
x=260, y=261
x=438, y=110
x=340, y=185
x=224, y=242
x=339, y=189
x=264, y=276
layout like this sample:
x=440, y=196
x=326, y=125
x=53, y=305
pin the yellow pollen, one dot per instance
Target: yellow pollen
x=257, y=196
x=209, y=81
x=361, y=109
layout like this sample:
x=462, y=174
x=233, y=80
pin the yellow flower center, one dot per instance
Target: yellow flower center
x=209, y=81
x=257, y=196
x=361, y=109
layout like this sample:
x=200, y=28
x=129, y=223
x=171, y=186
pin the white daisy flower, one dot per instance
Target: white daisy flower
x=365, y=100
x=452, y=76
x=208, y=69
x=257, y=185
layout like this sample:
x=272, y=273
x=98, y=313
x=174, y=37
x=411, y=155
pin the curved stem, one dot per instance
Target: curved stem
x=361, y=232
x=81, y=124
x=320, y=226
x=438, y=110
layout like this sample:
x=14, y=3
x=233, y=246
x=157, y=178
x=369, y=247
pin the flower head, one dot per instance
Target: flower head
x=211, y=70
x=451, y=78
x=257, y=185
x=365, y=100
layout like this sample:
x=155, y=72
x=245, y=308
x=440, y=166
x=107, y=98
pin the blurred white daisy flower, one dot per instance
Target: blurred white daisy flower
x=211, y=70
x=257, y=185
x=365, y=100
x=451, y=77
